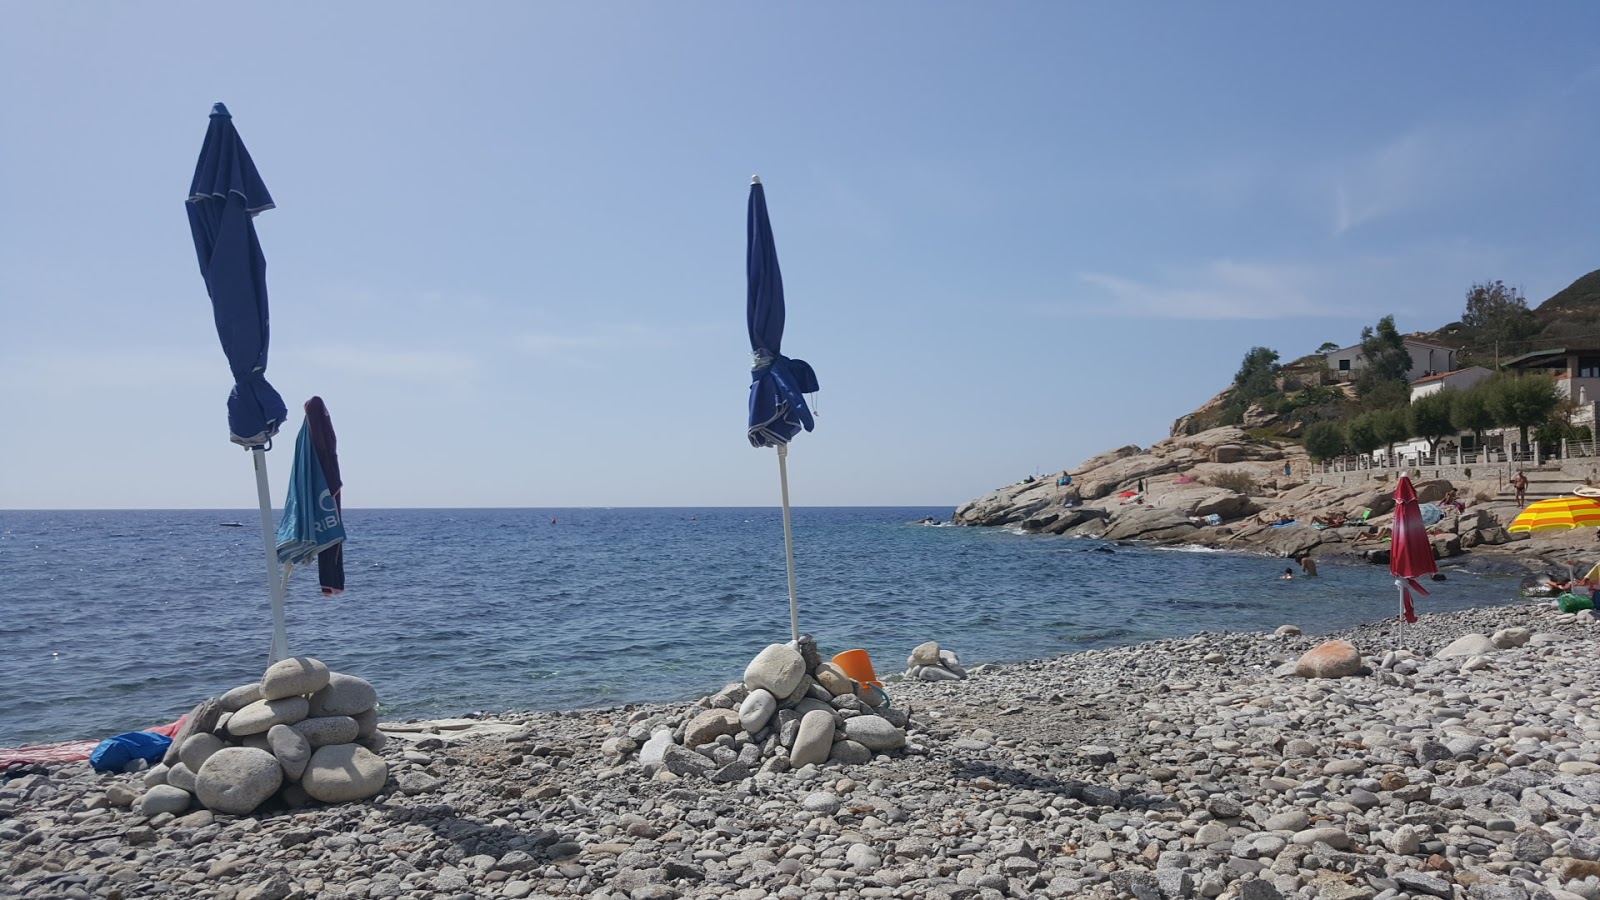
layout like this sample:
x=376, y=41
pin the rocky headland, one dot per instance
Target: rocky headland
x=1222, y=488
x=1196, y=767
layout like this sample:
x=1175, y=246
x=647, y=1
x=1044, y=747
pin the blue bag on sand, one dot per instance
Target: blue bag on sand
x=117, y=751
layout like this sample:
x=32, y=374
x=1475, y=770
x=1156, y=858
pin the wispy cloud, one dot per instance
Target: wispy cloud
x=1221, y=289
x=408, y=365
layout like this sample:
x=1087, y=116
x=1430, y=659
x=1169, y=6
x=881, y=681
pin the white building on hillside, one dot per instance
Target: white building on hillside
x=1426, y=359
x=1459, y=380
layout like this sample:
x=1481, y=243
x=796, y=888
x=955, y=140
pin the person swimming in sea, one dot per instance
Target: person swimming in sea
x=1287, y=575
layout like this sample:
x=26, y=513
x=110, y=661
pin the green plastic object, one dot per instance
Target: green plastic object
x=1571, y=603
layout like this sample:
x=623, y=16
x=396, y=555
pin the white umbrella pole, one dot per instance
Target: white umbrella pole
x=788, y=541
x=280, y=637
x=1401, y=586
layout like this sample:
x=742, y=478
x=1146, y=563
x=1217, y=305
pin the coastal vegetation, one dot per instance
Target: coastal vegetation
x=1333, y=414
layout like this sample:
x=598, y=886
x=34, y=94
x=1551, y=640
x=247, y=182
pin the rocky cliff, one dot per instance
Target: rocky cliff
x=1222, y=488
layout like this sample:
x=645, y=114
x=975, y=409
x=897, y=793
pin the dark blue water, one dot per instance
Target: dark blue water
x=118, y=620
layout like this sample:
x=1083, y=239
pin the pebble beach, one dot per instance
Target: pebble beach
x=1194, y=767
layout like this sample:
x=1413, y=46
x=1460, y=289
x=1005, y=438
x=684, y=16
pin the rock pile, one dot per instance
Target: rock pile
x=791, y=710
x=301, y=733
x=928, y=662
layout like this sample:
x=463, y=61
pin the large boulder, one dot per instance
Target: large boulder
x=1061, y=519
x=236, y=780
x=197, y=749
x=1148, y=523
x=1106, y=480
x=260, y=716
x=1196, y=499
x=1330, y=659
x=343, y=772
x=345, y=695
x=778, y=670
x=241, y=696
x=293, y=678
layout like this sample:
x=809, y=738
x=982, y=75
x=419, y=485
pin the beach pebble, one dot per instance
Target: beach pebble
x=260, y=716
x=814, y=739
x=682, y=761
x=1467, y=645
x=241, y=696
x=163, y=798
x=1287, y=631
x=873, y=732
x=757, y=709
x=236, y=780
x=820, y=802
x=710, y=725
x=924, y=654
x=1330, y=659
x=290, y=747
x=343, y=772
x=320, y=731
x=293, y=677
x=344, y=695
x=198, y=748
x=779, y=670
x=181, y=776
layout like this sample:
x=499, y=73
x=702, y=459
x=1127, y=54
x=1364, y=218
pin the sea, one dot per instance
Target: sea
x=118, y=620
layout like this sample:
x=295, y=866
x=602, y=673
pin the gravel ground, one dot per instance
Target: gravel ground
x=1179, y=768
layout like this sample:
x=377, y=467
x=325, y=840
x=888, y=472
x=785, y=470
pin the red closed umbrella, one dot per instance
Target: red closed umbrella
x=1410, y=552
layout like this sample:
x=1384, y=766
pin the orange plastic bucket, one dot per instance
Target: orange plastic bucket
x=858, y=665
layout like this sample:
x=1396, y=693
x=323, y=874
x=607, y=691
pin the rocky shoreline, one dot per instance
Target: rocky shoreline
x=1193, y=767
x=1221, y=488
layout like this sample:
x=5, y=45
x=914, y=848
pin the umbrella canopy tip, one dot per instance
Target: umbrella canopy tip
x=217, y=109
x=754, y=179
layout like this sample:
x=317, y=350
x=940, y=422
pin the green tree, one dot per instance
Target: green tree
x=1498, y=315
x=1432, y=417
x=1327, y=347
x=1471, y=410
x=1362, y=434
x=1392, y=425
x=1258, y=373
x=1325, y=440
x=1386, y=395
x=1523, y=402
x=1386, y=359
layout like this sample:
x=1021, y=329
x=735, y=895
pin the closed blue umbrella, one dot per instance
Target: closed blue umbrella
x=224, y=198
x=778, y=384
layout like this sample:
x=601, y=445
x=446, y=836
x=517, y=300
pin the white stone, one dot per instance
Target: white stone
x=320, y=731
x=344, y=772
x=236, y=780
x=1467, y=645
x=345, y=695
x=156, y=775
x=651, y=756
x=293, y=678
x=757, y=710
x=260, y=716
x=815, y=740
x=924, y=654
x=291, y=749
x=778, y=669
x=1507, y=638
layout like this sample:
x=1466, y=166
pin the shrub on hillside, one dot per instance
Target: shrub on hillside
x=1233, y=480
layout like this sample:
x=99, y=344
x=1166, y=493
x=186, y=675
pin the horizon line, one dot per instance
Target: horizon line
x=364, y=508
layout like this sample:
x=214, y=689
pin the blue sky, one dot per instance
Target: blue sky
x=509, y=243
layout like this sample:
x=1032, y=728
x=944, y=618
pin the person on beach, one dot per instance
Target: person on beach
x=1308, y=566
x=1520, y=485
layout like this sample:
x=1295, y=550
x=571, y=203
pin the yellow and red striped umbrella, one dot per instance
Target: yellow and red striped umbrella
x=1561, y=512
